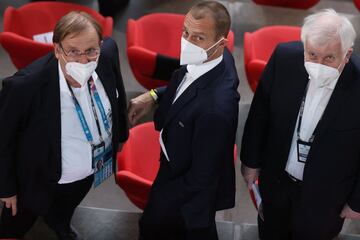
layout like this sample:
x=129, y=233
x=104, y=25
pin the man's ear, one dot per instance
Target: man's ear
x=57, y=50
x=348, y=55
x=224, y=42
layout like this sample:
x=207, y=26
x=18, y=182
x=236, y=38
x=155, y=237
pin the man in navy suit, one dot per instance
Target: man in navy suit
x=59, y=117
x=197, y=119
x=302, y=134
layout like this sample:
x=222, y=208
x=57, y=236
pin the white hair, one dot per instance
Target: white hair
x=327, y=25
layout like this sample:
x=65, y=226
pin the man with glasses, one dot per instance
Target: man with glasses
x=59, y=118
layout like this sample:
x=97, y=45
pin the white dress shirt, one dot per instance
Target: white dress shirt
x=317, y=98
x=76, y=155
x=194, y=72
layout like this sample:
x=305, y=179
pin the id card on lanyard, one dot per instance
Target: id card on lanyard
x=102, y=152
x=303, y=149
x=103, y=167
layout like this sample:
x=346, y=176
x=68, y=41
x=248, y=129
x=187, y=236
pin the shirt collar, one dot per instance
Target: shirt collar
x=195, y=71
x=332, y=84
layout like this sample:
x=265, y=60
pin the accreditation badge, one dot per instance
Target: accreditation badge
x=303, y=149
x=102, y=163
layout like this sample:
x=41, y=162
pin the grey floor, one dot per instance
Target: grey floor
x=246, y=17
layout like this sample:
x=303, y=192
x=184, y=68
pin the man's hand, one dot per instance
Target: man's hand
x=139, y=107
x=10, y=202
x=347, y=212
x=250, y=175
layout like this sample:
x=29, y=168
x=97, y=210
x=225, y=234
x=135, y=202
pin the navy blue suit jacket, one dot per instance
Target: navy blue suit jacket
x=199, y=134
x=30, y=126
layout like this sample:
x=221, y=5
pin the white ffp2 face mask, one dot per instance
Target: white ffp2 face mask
x=322, y=74
x=81, y=72
x=193, y=54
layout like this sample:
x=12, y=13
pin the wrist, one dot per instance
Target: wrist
x=153, y=94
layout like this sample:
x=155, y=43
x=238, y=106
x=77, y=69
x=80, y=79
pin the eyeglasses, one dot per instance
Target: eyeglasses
x=91, y=53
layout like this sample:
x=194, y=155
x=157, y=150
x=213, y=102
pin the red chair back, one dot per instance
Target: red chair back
x=141, y=153
x=259, y=45
x=357, y=4
x=41, y=17
x=20, y=25
x=157, y=32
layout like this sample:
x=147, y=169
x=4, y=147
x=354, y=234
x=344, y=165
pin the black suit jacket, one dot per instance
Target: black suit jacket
x=331, y=175
x=199, y=134
x=30, y=126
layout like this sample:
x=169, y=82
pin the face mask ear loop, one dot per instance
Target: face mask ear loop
x=213, y=53
x=66, y=62
x=341, y=63
x=212, y=47
x=64, y=58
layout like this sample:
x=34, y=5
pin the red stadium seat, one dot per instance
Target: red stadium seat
x=20, y=26
x=357, y=4
x=301, y=4
x=259, y=45
x=153, y=47
x=138, y=163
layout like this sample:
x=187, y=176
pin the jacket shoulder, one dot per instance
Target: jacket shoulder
x=109, y=48
x=29, y=74
x=296, y=47
x=355, y=60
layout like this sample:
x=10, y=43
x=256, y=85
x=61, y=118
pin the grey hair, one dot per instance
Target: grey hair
x=322, y=27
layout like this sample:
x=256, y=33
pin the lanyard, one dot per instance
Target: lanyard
x=82, y=119
x=92, y=89
x=301, y=112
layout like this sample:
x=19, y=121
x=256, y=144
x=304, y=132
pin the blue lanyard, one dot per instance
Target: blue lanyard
x=92, y=88
x=82, y=119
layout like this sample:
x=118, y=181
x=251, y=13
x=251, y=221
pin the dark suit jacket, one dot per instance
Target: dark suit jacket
x=199, y=134
x=331, y=175
x=30, y=126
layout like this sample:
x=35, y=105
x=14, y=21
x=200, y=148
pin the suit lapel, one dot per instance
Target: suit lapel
x=298, y=84
x=190, y=93
x=53, y=107
x=166, y=101
x=185, y=97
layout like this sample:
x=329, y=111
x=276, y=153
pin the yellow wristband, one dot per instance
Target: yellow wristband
x=153, y=94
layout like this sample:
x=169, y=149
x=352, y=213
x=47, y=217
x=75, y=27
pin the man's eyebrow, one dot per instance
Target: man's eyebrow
x=330, y=55
x=76, y=48
x=198, y=33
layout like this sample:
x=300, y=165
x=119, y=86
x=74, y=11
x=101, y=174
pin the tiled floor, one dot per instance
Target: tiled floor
x=246, y=16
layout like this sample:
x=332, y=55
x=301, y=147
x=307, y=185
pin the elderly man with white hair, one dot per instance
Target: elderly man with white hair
x=302, y=135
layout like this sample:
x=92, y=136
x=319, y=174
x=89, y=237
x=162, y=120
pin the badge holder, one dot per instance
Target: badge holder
x=303, y=149
x=102, y=163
